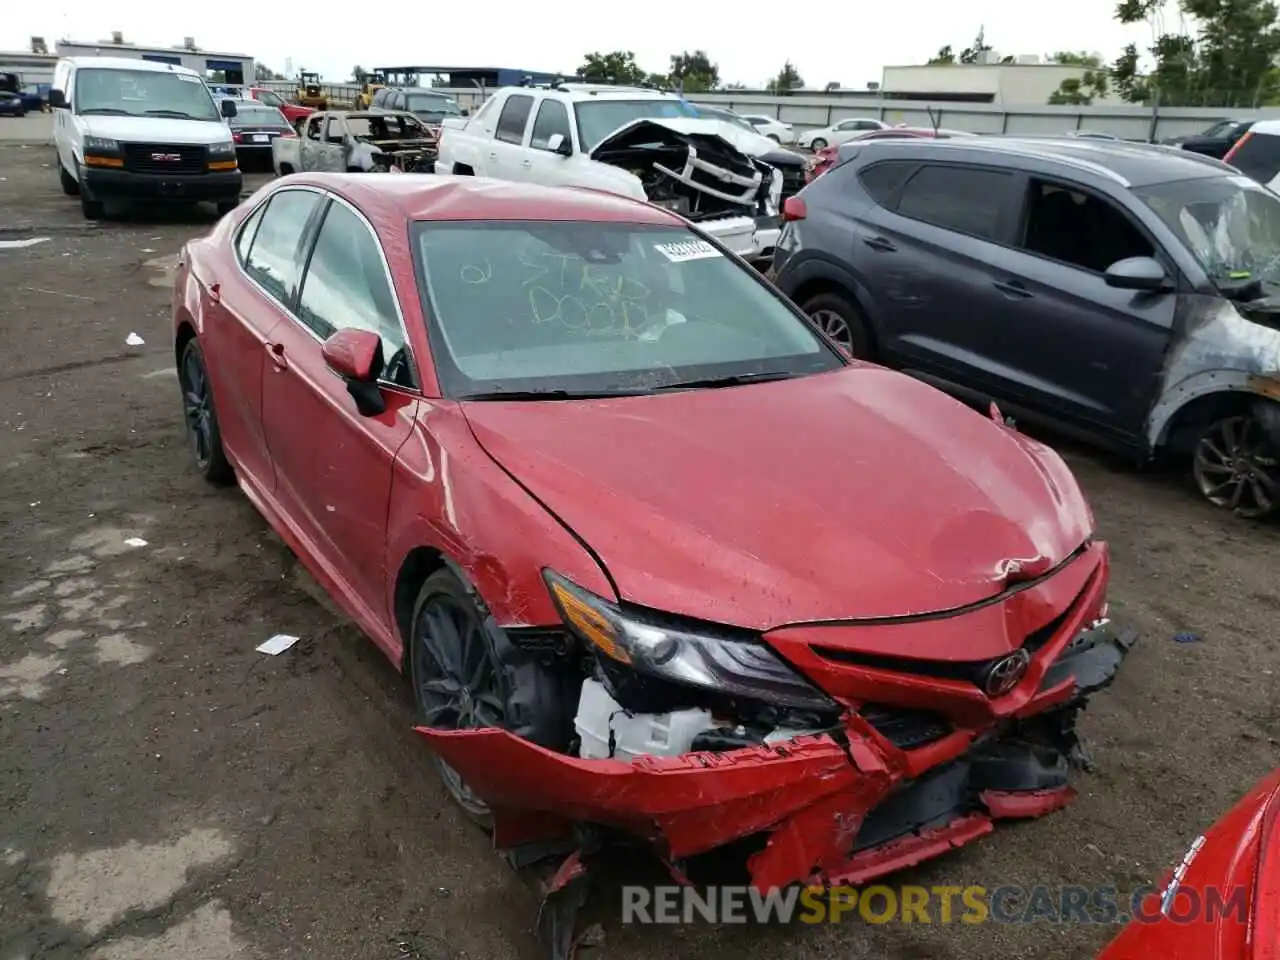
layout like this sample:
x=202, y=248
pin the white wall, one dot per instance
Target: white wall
x=1011, y=84
x=196, y=60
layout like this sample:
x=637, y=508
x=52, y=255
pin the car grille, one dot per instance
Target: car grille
x=903, y=727
x=155, y=158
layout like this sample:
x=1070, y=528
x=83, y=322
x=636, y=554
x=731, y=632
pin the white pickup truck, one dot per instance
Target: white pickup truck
x=635, y=142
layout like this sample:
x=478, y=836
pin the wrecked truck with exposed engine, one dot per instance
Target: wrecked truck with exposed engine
x=357, y=142
x=636, y=142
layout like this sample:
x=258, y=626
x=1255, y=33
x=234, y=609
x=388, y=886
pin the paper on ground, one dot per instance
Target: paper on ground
x=134, y=340
x=135, y=542
x=277, y=644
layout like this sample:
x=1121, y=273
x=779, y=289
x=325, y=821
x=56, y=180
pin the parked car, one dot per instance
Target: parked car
x=1092, y=135
x=839, y=132
x=254, y=129
x=1214, y=142
x=11, y=105
x=633, y=141
x=1222, y=901
x=34, y=96
x=1120, y=291
x=357, y=142
x=293, y=112
x=793, y=166
x=429, y=106
x=1257, y=153
x=771, y=127
x=567, y=462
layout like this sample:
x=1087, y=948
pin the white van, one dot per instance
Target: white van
x=137, y=130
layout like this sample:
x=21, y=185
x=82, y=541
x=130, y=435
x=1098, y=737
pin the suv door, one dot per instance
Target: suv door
x=924, y=250
x=311, y=149
x=506, y=157
x=1064, y=342
x=546, y=166
x=334, y=465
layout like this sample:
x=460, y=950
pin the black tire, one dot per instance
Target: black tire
x=201, y=418
x=69, y=185
x=1236, y=466
x=774, y=137
x=842, y=320
x=516, y=691
x=226, y=206
x=92, y=209
x=817, y=144
x=286, y=169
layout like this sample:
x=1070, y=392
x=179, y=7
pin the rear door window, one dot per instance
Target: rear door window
x=882, y=180
x=274, y=260
x=1257, y=156
x=968, y=200
x=512, y=120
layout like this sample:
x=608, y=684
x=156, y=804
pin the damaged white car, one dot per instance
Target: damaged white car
x=635, y=142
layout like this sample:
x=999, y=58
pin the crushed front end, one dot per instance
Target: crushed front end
x=826, y=748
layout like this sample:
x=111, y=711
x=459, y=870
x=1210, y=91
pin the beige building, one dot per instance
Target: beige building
x=1026, y=81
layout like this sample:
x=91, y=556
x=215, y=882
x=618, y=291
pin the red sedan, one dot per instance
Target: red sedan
x=293, y=112
x=1222, y=902
x=653, y=553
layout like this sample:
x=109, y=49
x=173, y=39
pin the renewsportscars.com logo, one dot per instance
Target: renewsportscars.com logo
x=932, y=905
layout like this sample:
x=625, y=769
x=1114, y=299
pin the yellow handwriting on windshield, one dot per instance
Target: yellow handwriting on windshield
x=476, y=273
x=587, y=298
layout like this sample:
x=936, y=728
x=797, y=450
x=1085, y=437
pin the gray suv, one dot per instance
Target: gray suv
x=1125, y=293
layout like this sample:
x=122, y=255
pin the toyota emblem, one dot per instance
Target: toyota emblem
x=1005, y=673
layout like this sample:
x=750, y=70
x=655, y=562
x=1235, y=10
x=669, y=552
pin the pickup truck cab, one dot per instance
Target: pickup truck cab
x=358, y=141
x=130, y=129
x=632, y=141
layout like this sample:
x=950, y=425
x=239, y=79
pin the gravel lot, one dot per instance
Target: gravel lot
x=167, y=792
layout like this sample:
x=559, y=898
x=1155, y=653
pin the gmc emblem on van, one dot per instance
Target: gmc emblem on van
x=171, y=157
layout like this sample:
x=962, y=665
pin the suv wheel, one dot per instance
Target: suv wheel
x=841, y=319
x=1237, y=466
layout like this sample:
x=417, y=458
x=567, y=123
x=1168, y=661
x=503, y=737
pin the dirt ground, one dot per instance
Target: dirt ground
x=166, y=791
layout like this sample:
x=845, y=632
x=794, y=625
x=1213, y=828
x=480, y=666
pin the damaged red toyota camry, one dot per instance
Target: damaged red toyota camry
x=659, y=560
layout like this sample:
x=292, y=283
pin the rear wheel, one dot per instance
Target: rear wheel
x=841, y=319
x=200, y=416
x=1236, y=465
x=818, y=144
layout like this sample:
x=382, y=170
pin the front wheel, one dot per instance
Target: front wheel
x=69, y=185
x=818, y=144
x=1236, y=465
x=841, y=320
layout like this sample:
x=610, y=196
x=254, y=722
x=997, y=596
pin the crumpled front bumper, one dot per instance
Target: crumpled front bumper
x=838, y=808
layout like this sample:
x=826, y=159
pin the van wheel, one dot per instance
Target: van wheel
x=69, y=185
x=841, y=319
x=92, y=209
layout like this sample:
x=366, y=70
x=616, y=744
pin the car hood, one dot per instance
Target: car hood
x=859, y=493
x=744, y=141
x=156, y=129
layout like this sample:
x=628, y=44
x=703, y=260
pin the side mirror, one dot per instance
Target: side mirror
x=228, y=108
x=356, y=357
x=57, y=100
x=559, y=143
x=1138, y=273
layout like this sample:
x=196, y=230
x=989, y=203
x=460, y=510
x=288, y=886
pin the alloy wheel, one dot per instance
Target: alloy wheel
x=1236, y=467
x=197, y=409
x=457, y=680
x=835, y=327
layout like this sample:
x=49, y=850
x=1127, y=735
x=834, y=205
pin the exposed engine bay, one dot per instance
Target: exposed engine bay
x=392, y=142
x=697, y=175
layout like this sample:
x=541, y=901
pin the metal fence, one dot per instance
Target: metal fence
x=809, y=111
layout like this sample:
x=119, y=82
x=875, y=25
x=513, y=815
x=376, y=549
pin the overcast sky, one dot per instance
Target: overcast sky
x=826, y=39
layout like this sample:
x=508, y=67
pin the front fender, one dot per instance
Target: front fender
x=1170, y=403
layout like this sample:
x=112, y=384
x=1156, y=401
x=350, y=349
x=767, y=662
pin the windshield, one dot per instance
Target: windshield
x=590, y=308
x=270, y=99
x=253, y=115
x=432, y=106
x=143, y=93
x=727, y=117
x=1231, y=224
x=599, y=118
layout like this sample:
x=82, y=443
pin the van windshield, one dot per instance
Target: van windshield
x=143, y=93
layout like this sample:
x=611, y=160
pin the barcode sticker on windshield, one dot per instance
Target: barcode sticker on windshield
x=686, y=250
x=188, y=77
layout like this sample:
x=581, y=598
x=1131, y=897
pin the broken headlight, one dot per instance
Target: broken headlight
x=727, y=662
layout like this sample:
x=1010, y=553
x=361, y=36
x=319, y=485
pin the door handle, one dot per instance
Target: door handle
x=276, y=352
x=215, y=292
x=879, y=243
x=1012, y=288
x=526, y=164
x=493, y=156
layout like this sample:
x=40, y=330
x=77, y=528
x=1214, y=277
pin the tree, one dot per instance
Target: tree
x=788, y=79
x=1222, y=54
x=618, y=67
x=359, y=75
x=694, y=72
x=974, y=53
x=262, y=73
x=943, y=56
x=1084, y=89
x=735, y=86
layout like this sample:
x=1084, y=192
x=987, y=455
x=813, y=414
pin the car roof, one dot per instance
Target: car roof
x=1265, y=126
x=129, y=63
x=1134, y=164
x=450, y=197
